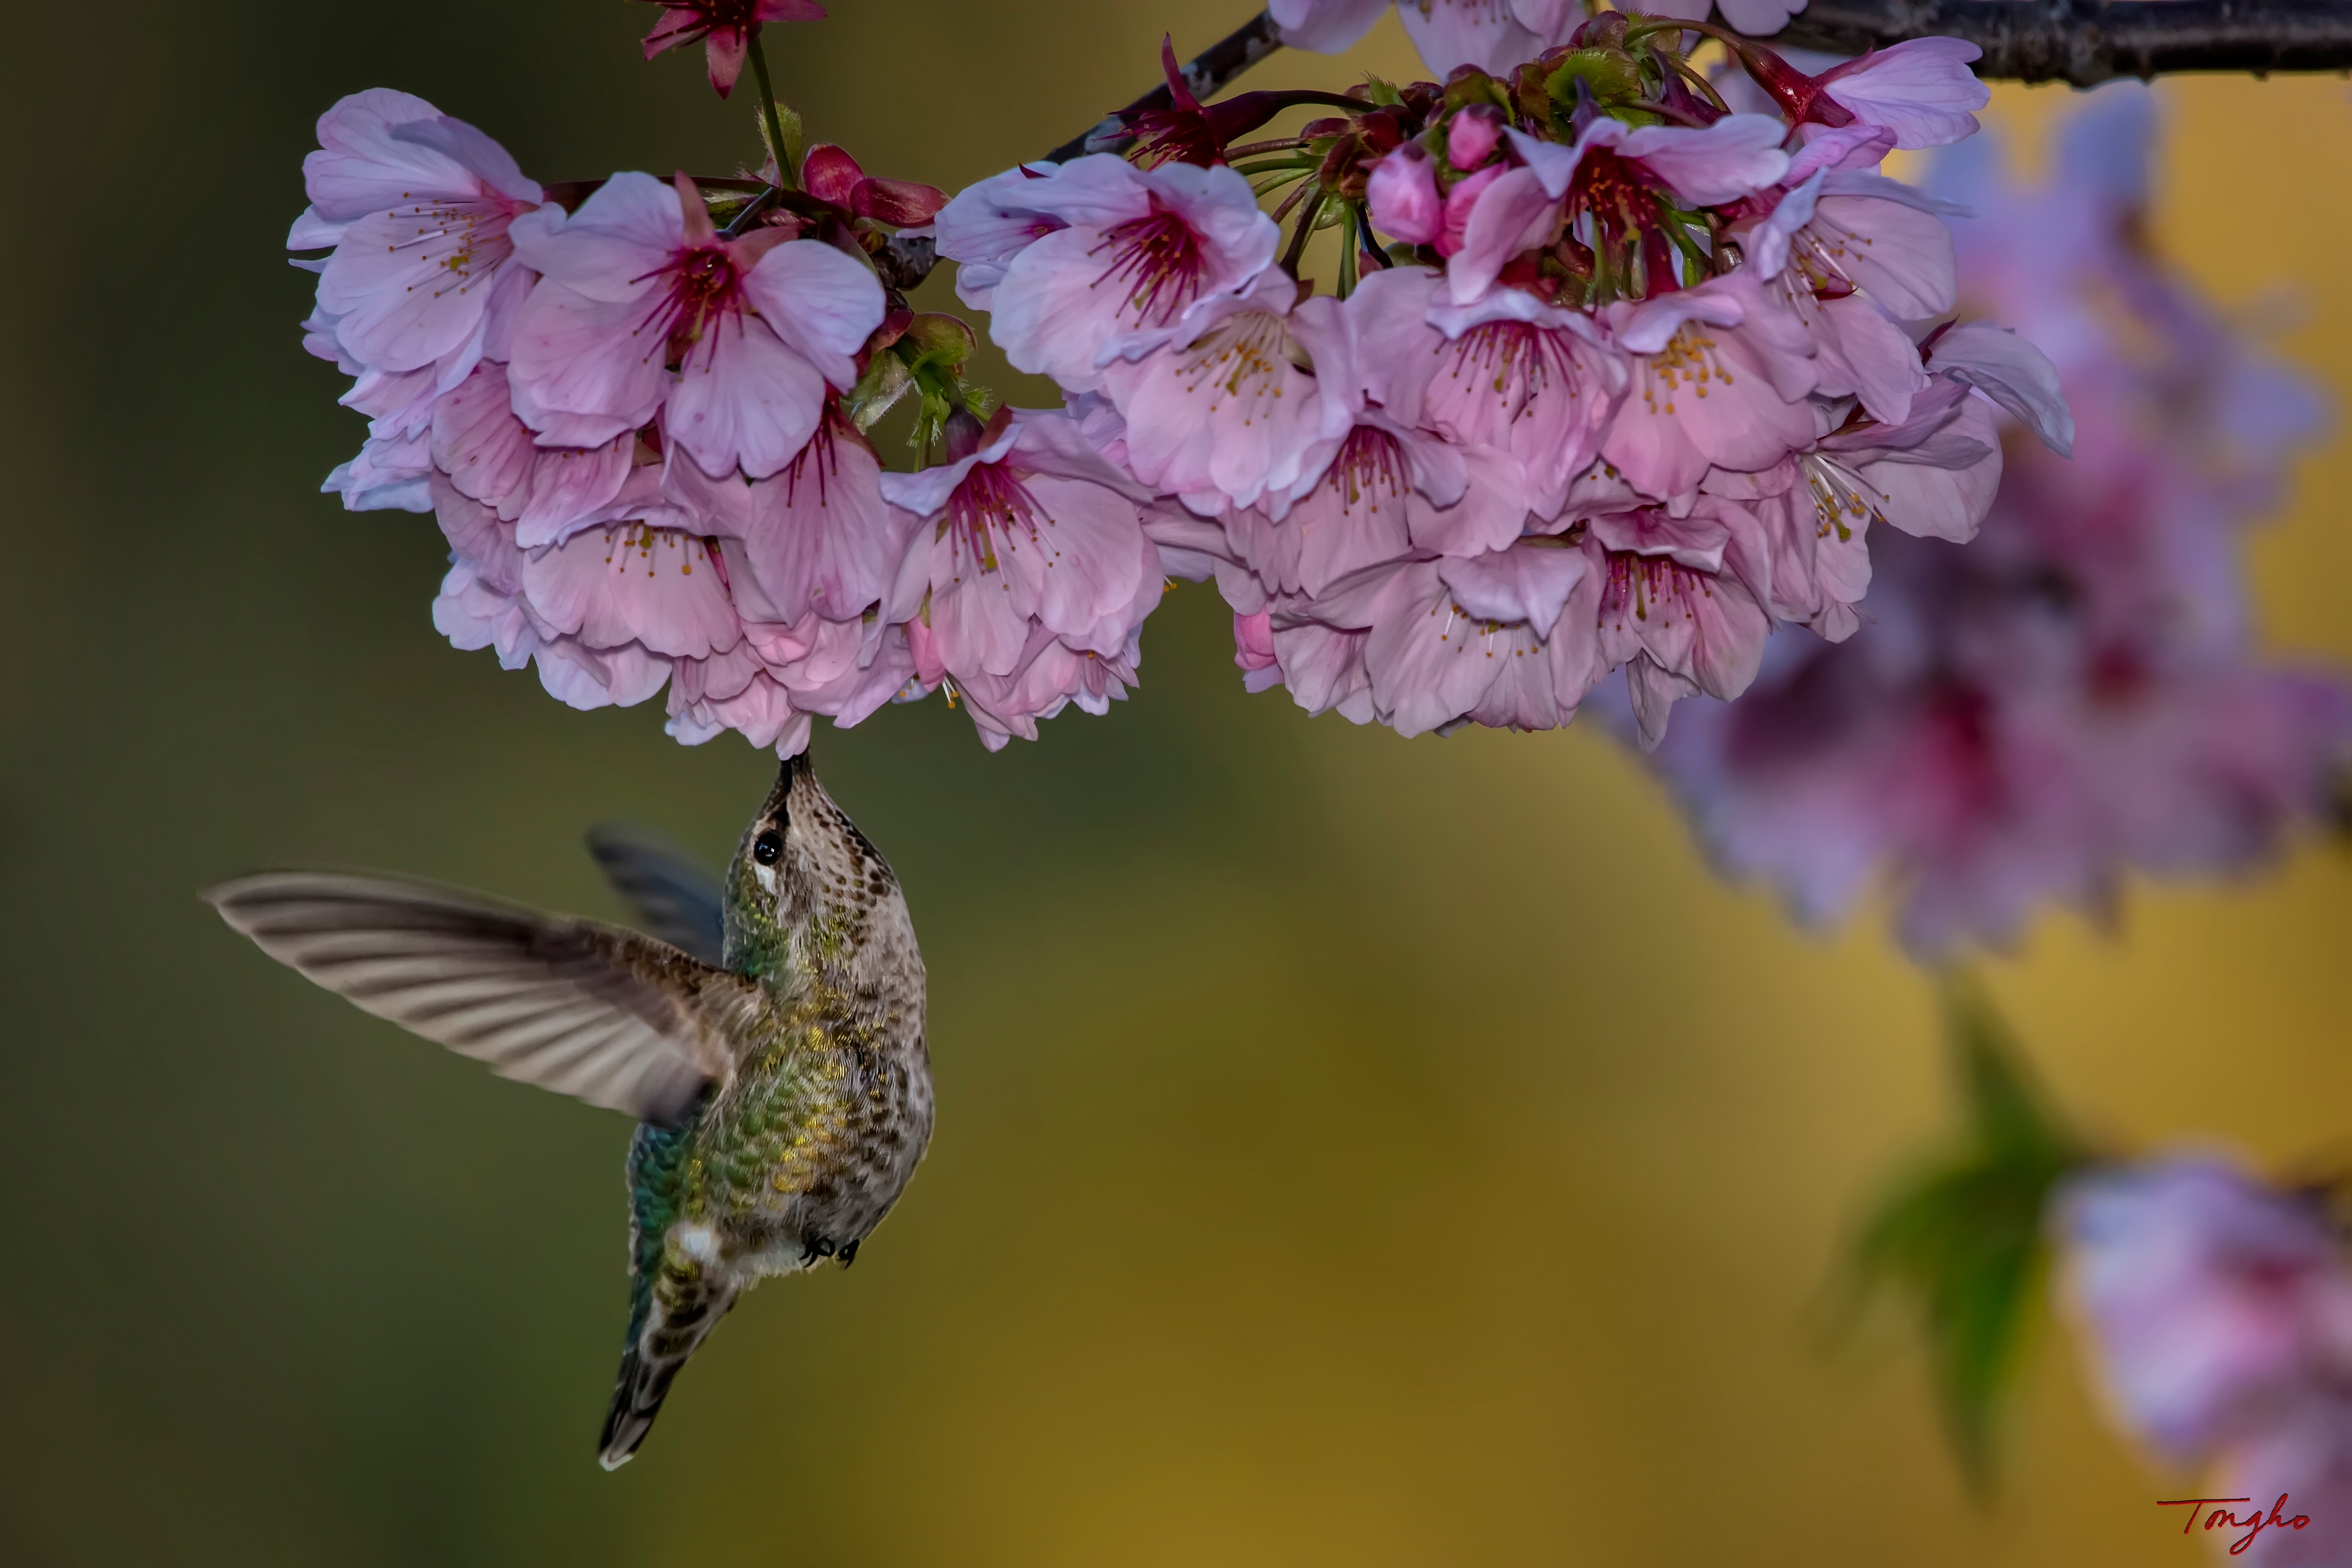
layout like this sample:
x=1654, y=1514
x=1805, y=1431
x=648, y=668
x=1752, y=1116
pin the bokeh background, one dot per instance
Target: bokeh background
x=1351, y=1150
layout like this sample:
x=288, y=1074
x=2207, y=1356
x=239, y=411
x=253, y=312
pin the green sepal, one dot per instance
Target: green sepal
x=877, y=392
x=1612, y=76
x=935, y=337
x=1382, y=92
x=795, y=131
x=1964, y=1235
x=1632, y=116
x=1469, y=86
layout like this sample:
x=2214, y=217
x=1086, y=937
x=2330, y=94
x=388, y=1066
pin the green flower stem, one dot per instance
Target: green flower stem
x=1267, y=165
x=788, y=157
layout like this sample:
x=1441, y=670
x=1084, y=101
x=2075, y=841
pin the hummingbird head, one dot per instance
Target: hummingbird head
x=807, y=892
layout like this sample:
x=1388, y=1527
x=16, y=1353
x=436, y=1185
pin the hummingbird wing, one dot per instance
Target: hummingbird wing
x=605, y=1015
x=677, y=899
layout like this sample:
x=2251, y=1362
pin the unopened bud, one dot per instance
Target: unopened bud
x=1470, y=140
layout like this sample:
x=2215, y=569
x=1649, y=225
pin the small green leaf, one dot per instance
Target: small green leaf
x=1963, y=1235
x=1382, y=92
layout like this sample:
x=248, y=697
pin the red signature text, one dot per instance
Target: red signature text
x=2252, y=1523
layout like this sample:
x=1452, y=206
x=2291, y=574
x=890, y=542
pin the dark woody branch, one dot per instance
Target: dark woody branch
x=2086, y=42
x=1207, y=75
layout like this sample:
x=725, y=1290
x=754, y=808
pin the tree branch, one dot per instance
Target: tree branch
x=2086, y=42
x=1207, y=74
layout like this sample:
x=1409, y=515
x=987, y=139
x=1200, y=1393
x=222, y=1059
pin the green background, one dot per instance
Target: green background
x=1351, y=1150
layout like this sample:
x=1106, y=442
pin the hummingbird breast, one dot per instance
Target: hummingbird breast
x=804, y=1152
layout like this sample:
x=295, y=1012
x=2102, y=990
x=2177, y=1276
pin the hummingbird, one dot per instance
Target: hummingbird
x=769, y=1041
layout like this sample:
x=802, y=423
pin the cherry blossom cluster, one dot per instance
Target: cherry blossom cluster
x=1613, y=375
x=636, y=407
x=2072, y=696
x=2217, y=1312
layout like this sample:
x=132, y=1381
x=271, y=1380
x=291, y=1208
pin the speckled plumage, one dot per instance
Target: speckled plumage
x=772, y=1049
x=799, y=1156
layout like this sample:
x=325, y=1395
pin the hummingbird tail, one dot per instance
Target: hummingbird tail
x=651, y=1365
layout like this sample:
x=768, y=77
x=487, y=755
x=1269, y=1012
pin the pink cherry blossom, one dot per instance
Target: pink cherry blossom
x=1667, y=382
x=1719, y=377
x=1139, y=251
x=1387, y=485
x=984, y=227
x=421, y=280
x=1031, y=532
x=2013, y=373
x=2070, y=698
x=1509, y=373
x=1921, y=88
x=1672, y=612
x=816, y=537
x=2210, y=1303
x=1493, y=34
x=1048, y=676
x=1609, y=168
x=1851, y=265
x=644, y=310
x=1247, y=405
x=1462, y=201
x=1472, y=136
x=1503, y=639
x=389, y=474
x=1402, y=194
x=725, y=28
x=417, y=207
x=1253, y=648
x=489, y=457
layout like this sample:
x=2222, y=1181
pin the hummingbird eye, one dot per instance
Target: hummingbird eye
x=769, y=847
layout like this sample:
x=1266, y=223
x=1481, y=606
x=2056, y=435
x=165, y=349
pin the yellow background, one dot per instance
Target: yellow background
x=1351, y=1150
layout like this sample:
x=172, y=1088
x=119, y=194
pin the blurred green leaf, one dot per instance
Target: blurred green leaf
x=1962, y=1234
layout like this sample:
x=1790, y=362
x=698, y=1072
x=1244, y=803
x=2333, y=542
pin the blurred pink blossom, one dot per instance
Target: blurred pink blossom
x=2070, y=697
x=2211, y=1303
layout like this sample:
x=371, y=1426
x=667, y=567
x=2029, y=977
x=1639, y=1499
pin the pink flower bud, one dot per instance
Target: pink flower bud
x=1470, y=140
x=1458, y=202
x=1403, y=194
x=1253, y=640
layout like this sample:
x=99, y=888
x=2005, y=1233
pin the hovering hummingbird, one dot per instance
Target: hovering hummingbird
x=770, y=1047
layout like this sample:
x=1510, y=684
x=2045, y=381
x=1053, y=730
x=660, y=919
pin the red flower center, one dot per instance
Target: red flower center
x=703, y=285
x=1157, y=258
x=992, y=502
x=1369, y=466
x=1648, y=585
